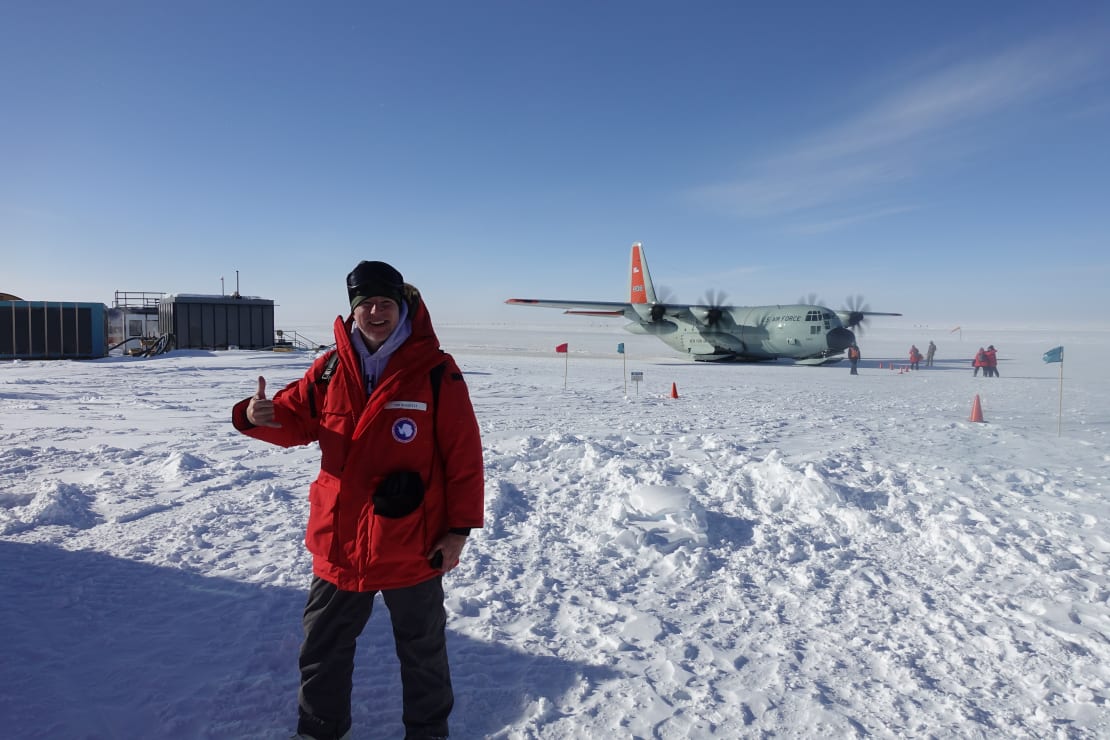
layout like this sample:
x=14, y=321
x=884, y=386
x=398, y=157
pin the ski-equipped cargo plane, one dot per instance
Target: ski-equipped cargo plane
x=808, y=334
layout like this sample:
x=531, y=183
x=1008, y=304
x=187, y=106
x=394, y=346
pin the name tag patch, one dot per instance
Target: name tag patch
x=407, y=405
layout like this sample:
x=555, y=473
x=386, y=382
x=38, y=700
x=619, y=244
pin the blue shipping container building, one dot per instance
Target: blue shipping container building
x=53, y=330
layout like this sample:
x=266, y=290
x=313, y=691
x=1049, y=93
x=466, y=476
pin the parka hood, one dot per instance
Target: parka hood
x=423, y=341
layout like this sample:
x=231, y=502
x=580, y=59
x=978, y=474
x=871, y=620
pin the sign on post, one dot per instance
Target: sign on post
x=637, y=378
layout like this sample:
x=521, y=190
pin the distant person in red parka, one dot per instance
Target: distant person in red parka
x=399, y=489
x=980, y=361
x=990, y=368
x=915, y=357
x=853, y=357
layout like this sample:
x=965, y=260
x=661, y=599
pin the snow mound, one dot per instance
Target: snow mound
x=661, y=517
x=183, y=466
x=61, y=504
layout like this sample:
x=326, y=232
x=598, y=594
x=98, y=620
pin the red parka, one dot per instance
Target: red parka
x=400, y=427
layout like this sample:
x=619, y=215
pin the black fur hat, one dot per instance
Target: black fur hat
x=370, y=279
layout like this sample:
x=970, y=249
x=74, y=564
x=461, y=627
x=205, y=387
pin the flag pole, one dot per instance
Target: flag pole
x=625, y=373
x=1060, y=412
x=564, y=349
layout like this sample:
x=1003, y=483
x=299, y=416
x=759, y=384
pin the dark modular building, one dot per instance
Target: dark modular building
x=217, y=321
x=53, y=330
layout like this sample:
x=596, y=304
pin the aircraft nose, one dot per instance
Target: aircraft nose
x=840, y=339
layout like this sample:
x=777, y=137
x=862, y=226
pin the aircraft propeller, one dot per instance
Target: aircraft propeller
x=714, y=302
x=811, y=300
x=857, y=309
x=663, y=297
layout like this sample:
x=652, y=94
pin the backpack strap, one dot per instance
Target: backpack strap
x=436, y=376
x=322, y=381
x=329, y=368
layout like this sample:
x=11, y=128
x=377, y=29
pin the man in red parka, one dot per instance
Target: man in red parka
x=400, y=487
x=990, y=368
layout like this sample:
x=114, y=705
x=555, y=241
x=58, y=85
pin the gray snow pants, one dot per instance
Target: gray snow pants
x=333, y=619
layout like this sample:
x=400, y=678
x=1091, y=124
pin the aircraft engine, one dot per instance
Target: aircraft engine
x=713, y=310
x=854, y=313
x=654, y=312
x=707, y=315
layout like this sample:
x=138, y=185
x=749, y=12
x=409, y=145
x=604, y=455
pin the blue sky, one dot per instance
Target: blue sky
x=947, y=160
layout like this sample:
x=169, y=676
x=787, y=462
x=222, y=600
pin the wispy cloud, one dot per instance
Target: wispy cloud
x=895, y=138
x=835, y=224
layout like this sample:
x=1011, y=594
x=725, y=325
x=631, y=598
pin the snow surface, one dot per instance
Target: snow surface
x=781, y=550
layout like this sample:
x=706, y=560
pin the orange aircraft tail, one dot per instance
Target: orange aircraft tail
x=640, y=288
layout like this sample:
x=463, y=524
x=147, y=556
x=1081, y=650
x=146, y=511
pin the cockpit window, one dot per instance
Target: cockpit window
x=813, y=316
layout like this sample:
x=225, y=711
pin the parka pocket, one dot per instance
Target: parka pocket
x=400, y=530
x=400, y=494
x=322, y=497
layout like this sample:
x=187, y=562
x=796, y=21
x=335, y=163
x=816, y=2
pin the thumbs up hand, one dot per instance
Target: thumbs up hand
x=260, y=410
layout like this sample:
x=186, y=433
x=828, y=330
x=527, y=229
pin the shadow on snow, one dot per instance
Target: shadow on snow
x=100, y=647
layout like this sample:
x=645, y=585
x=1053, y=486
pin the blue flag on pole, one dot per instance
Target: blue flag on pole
x=1056, y=354
x=620, y=348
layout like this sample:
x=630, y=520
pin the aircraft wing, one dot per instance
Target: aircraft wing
x=580, y=308
x=851, y=318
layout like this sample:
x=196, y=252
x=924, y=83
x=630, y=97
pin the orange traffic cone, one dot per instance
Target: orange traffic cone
x=976, y=410
x=674, y=391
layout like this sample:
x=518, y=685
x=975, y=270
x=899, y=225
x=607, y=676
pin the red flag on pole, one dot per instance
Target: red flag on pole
x=562, y=350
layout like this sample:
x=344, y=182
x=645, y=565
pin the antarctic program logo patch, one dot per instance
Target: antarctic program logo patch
x=404, y=430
